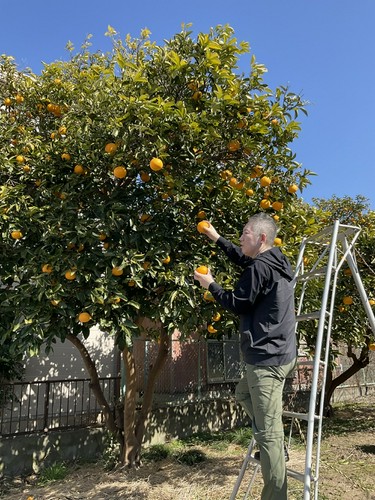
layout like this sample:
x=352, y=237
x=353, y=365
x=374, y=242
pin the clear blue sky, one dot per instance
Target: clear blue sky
x=323, y=49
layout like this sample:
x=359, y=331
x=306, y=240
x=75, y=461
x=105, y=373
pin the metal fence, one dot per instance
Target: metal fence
x=53, y=404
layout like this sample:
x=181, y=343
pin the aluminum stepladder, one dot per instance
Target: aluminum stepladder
x=333, y=246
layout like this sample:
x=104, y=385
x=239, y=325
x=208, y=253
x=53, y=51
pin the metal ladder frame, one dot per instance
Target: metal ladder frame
x=330, y=240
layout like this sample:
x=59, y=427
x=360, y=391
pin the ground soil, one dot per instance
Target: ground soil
x=347, y=470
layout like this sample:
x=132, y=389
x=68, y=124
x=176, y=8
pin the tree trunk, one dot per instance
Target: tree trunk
x=95, y=385
x=134, y=424
x=332, y=383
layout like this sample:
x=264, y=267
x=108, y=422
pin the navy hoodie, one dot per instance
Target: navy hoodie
x=263, y=298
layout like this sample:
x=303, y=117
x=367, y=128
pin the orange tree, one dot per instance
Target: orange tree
x=108, y=162
x=350, y=329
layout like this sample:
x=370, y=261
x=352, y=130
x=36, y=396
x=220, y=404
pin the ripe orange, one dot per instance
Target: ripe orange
x=372, y=302
x=16, y=235
x=46, y=268
x=202, y=226
x=276, y=217
x=278, y=242
x=55, y=302
x=242, y=123
x=372, y=346
x=277, y=205
x=201, y=214
x=20, y=159
x=265, y=181
x=70, y=275
x=197, y=95
x=19, y=99
x=131, y=283
x=202, y=270
x=62, y=130
x=117, y=271
x=102, y=236
x=249, y=192
x=7, y=101
x=146, y=265
x=156, y=164
x=347, y=300
x=78, y=169
x=233, y=145
x=145, y=217
x=211, y=329
x=233, y=182
x=293, y=189
x=26, y=168
x=167, y=260
x=110, y=148
x=84, y=317
x=216, y=316
x=119, y=172
x=265, y=203
x=66, y=156
x=257, y=171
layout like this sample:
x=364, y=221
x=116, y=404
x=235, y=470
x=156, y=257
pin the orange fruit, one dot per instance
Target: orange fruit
x=233, y=145
x=293, y=189
x=46, y=268
x=242, y=123
x=202, y=226
x=145, y=217
x=348, y=271
x=66, y=156
x=102, y=236
x=265, y=204
x=201, y=214
x=131, y=283
x=265, y=181
x=146, y=265
x=275, y=121
x=19, y=99
x=55, y=302
x=277, y=242
x=197, y=95
x=119, y=172
x=20, y=159
x=7, y=101
x=216, y=316
x=257, y=171
x=347, y=300
x=117, y=271
x=62, y=130
x=145, y=177
x=166, y=260
x=211, y=329
x=276, y=217
x=277, y=205
x=372, y=346
x=372, y=302
x=26, y=168
x=156, y=164
x=70, y=275
x=78, y=169
x=233, y=182
x=16, y=235
x=110, y=148
x=249, y=192
x=84, y=317
x=202, y=270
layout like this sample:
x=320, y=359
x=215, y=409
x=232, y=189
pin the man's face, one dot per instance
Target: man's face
x=250, y=242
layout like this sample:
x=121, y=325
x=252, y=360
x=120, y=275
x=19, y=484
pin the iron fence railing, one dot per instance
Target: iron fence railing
x=53, y=404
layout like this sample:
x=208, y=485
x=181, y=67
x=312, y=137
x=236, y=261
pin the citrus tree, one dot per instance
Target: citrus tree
x=108, y=163
x=351, y=330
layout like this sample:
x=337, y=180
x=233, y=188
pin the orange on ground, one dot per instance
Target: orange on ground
x=16, y=235
x=156, y=164
x=84, y=317
x=117, y=271
x=119, y=172
x=110, y=148
x=202, y=270
x=347, y=300
x=46, y=268
x=202, y=226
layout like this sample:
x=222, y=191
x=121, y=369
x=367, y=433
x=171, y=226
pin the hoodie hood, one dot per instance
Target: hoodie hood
x=277, y=261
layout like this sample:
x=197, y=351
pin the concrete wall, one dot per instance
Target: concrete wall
x=26, y=454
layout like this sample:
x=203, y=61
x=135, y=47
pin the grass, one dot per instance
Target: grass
x=54, y=472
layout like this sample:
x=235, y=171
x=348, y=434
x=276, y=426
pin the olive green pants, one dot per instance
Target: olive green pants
x=260, y=393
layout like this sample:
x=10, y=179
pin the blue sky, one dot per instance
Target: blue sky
x=322, y=49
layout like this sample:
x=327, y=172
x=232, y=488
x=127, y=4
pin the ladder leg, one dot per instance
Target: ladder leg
x=243, y=470
x=257, y=467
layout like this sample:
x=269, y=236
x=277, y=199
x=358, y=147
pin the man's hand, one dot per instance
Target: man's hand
x=211, y=232
x=205, y=280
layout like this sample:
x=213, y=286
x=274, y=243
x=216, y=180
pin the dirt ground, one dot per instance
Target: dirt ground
x=347, y=470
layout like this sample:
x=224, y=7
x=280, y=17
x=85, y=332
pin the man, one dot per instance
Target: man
x=264, y=300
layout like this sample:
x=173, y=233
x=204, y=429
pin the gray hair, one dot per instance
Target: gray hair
x=264, y=223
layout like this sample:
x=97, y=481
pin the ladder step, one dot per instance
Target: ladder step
x=322, y=271
x=300, y=416
x=298, y=475
x=308, y=316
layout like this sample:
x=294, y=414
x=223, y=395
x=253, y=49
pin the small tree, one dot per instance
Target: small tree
x=108, y=162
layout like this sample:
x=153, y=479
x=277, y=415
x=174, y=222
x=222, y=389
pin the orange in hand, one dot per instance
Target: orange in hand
x=203, y=225
x=202, y=270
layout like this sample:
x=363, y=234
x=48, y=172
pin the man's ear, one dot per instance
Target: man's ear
x=263, y=238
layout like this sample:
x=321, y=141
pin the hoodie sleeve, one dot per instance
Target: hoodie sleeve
x=241, y=299
x=233, y=252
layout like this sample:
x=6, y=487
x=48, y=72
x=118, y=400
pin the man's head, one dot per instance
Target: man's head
x=258, y=234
